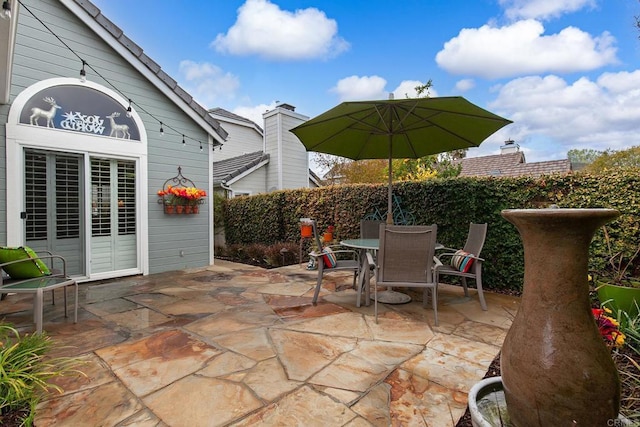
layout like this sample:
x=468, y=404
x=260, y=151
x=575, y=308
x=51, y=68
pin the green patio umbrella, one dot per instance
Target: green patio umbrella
x=398, y=128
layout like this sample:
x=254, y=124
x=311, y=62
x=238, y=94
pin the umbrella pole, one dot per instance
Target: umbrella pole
x=389, y=205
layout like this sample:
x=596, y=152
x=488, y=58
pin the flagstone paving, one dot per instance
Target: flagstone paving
x=235, y=345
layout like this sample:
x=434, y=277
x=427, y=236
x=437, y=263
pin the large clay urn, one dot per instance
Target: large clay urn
x=555, y=367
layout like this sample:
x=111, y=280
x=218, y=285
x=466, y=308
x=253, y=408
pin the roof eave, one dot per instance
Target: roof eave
x=91, y=15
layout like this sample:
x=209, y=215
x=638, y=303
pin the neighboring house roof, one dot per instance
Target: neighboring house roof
x=543, y=168
x=139, y=60
x=234, y=117
x=511, y=164
x=229, y=170
x=315, y=178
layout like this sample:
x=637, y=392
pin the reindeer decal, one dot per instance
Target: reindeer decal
x=36, y=113
x=116, y=129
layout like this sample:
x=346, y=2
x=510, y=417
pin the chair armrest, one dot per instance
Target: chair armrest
x=370, y=260
x=51, y=258
x=436, y=262
x=450, y=254
x=355, y=254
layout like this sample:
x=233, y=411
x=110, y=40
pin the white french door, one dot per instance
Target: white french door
x=113, y=215
x=54, y=217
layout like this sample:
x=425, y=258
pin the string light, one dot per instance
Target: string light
x=6, y=10
x=83, y=73
x=6, y=13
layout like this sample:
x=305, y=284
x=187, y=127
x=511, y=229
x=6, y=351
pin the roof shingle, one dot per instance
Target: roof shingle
x=511, y=164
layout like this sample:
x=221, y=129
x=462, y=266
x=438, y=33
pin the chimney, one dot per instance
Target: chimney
x=509, y=147
x=287, y=107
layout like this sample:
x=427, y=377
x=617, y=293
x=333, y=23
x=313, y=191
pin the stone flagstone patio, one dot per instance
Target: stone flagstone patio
x=235, y=345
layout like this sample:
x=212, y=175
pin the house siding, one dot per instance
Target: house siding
x=252, y=183
x=289, y=161
x=242, y=140
x=167, y=235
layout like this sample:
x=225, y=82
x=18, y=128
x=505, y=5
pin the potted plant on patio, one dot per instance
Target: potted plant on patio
x=618, y=282
x=26, y=374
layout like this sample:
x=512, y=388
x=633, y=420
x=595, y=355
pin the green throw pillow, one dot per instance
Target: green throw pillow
x=23, y=270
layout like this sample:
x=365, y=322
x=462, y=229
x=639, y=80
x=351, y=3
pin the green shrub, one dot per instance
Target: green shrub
x=25, y=371
x=451, y=203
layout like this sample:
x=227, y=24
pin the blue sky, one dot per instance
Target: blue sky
x=567, y=72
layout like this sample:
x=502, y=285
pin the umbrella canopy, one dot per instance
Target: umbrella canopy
x=398, y=128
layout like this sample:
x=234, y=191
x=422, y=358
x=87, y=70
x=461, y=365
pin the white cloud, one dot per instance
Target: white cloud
x=255, y=113
x=360, y=88
x=543, y=9
x=208, y=83
x=597, y=114
x=263, y=29
x=407, y=89
x=465, y=85
x=357, y=88
x=522, y=48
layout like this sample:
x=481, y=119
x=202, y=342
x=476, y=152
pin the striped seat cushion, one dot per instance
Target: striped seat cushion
x=329, y=258
x=462, y=261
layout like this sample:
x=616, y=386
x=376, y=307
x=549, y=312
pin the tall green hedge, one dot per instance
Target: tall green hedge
x=451, y=204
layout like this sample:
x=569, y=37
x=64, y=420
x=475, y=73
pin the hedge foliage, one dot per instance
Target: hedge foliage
x=452, y=204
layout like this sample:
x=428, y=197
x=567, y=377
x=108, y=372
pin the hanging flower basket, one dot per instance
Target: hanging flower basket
x=183, y=197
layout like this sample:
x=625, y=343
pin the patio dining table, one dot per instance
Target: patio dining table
x=372, y=245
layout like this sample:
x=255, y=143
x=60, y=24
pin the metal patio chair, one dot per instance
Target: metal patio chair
x=406, y=259
x=466, y=262
x=332, y=258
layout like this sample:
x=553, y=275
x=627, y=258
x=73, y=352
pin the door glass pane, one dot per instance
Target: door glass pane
x=36, y=195
x=100, y=198
x=126, y=198
x=67, y=197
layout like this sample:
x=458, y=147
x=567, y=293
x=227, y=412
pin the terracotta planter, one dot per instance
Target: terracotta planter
x=555, y=367
x=196, y=209
x=188, y=209
x=169, y=209
x=179, y=209
x=617, y=297
x=306, y=230
x=327, y=237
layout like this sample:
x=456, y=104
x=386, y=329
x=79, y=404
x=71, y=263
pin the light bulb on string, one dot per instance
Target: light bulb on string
x=129, y=109
x=83, y=73
x=183, y=141
x=200, y=146
x=161, y=130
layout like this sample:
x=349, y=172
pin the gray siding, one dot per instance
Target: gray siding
x=254, y=183
x=289, y=164
x=241, y=140
x=39, y=55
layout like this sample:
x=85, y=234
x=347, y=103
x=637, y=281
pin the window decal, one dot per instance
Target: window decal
x=80, y=109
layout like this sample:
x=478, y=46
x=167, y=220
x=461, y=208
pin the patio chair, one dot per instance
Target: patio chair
x=45, y=263
x=24, y=271
x=406, y=259
x=466, y=262
x=332, y=258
